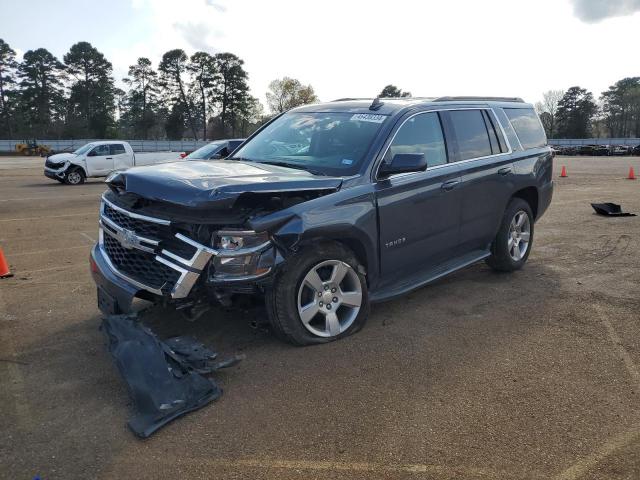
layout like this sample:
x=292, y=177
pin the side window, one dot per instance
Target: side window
x=223, y=152
x=471, y=134
x=527, y=126
x=100, y=150
x=116, y=148
x=420, y=134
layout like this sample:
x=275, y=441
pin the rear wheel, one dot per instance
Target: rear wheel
x=321, y=296
x=74, y=176
x=512, y=245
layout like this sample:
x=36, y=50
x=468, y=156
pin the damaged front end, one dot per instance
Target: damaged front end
x=163, y=247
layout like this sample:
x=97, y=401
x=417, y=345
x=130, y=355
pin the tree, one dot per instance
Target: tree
x=8, y=67
x=173, y=69
x=621, y=108
x=142, y=97
x=92, y=99
x=41, y=93
x=575, y=112
x=287, y=93
x=548, y=110
x=391, y=91
x=202, y=68
x=231, y=92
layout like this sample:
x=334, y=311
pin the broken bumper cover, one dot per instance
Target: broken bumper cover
x=165, y=377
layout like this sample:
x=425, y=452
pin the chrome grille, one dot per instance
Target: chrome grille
x=141, y=227
x=140, y=266
x=143, y=251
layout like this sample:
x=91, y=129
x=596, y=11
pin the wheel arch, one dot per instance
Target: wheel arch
x=531, y=196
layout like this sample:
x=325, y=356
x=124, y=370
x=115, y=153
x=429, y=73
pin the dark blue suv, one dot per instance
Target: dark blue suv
x=328, y=208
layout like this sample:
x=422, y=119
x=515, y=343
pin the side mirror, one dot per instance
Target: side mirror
x=403, y=163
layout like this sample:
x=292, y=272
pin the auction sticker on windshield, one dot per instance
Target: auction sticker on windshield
x=368, y=117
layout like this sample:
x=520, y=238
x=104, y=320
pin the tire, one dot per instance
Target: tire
x=74, y=176
x=330, y=313
x=511, y=246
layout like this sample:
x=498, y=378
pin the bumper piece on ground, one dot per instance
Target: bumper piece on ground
x=164, y=377
x=611, y=210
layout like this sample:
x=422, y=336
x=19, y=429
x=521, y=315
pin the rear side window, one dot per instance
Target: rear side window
x=117, y=148
x=527, y=126
x=471, y=134
x=422, y=133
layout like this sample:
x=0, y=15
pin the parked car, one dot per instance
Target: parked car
x=328, y=208
x=601, y=150
x=621, y=150
x=99, y=159
x=636, y=150
x=215, y=150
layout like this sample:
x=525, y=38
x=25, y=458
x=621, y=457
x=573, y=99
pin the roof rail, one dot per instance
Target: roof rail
x=349, y=99
x=487, y=99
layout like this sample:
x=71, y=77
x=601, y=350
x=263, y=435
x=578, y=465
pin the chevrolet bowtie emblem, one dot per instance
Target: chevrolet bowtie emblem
x=128, y=239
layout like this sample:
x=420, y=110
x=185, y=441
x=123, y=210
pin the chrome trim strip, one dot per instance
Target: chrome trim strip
x=136, y=215
x=186, y=281
x=119, y=234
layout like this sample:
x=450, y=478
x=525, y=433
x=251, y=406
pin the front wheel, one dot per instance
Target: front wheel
x=320, y=296
x=512, y=245
x=74, y=177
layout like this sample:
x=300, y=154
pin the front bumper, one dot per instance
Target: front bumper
x=56, y=174
x=120, y=291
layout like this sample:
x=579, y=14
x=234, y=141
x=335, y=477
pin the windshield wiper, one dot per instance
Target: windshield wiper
x=295, y=166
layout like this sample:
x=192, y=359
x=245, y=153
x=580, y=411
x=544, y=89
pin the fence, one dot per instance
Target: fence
x=137, y=145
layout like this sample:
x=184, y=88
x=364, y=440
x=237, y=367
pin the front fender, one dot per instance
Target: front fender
x=347, y=216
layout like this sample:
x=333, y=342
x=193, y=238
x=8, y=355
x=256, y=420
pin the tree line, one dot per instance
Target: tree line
x=202, y=96
x=575, y=113
x=206, y=96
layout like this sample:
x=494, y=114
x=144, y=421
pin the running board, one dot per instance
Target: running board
x=384, y=294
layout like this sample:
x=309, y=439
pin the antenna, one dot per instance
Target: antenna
x=376, y=104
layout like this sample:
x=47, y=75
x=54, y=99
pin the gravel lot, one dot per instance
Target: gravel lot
x=528, y=375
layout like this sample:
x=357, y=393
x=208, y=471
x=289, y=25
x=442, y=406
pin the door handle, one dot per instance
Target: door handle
x=109, y=158
x=504, y=171
x=450, y=185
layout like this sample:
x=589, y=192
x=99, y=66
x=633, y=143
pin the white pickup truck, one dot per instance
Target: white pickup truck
x=99, y=159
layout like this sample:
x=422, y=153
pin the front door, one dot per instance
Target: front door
x=99, y=161
x=418, y=212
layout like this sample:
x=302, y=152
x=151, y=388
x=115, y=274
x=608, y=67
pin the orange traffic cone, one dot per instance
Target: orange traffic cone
x=632, y=175
x=563, y=173
x=4, y=266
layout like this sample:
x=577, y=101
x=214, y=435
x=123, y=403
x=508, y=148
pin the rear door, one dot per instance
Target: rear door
x=99, y=161
x=121, y=159
x=418, y=212
x=483, y=155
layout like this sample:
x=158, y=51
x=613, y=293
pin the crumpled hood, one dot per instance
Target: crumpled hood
x=214, y=184
x=61, y=157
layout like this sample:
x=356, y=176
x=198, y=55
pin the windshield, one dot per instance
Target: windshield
x=323, y=143
x=203, y=153
x=84, y=149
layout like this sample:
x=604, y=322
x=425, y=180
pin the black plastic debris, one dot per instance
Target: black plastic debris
x=165, y=378
x=611, y=210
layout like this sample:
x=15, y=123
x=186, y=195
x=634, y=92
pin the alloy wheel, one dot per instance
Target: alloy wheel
x=329, y=298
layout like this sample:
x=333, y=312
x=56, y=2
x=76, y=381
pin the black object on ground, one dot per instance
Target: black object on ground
x=164, y=377
x=611, y=210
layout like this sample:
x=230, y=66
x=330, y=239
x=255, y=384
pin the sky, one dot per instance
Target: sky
x=353, y=48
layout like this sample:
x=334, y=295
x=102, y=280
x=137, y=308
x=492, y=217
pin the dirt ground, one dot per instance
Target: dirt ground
x=528, y=375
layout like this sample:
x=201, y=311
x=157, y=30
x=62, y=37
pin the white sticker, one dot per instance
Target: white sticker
x=368, y=117
x=346, y=161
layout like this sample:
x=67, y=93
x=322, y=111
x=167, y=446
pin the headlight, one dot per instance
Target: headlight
x=241, y=254
x=233, y=240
